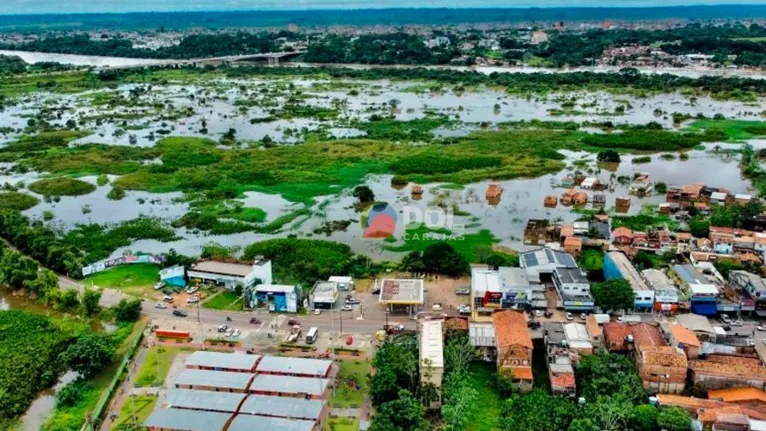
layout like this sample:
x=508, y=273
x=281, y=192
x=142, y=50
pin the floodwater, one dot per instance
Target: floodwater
x=140, y=115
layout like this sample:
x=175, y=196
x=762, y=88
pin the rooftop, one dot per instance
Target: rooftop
x=186, y=420
x=627, y=270
x=689, y=274
x=513, y=278
x=231, y=361
x=696, y=323
x=289, y=365
x=325, y=291
x=571, y=275
x=205, y=400
x=547, y=256
x=289, y=384
x=684, y=335
x=665, y=356
x=481, y=334
x=431, y=343
x=645, y=334
x=484, y=280
x=214, y=379
x=577, y=336
x=735, y=371
x=282, y=407
x=657, y=280
x=737, y=395
x=563, y=380
x=511, y=329
x=592, y=325
x=401, y=291
x=284, y=288
x=249, y=423
x=222, y=268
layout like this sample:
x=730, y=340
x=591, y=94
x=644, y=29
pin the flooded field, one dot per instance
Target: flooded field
x=266, y=113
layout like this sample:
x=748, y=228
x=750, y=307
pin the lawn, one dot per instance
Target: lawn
x=352, y=384
x=735, y=130
x=224, y=301
x=466, y=244
x=147, y=375
x=135, y=279
x=139, y=405
x=592, y=260
x=484, y=414
x=342, y=424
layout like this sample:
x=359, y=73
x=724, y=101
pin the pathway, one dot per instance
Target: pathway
x=124, y=390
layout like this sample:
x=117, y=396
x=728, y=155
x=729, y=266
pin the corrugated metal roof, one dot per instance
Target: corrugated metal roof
x=482, y=334
x=485, y=281
x=234, y=361
x=289, y=384
x=205, y=400
x=431, y=343
x=251, y=423
x=282, y=407
x=286, y=365
x=214, y=379
x=187, y=420
x=224, y=268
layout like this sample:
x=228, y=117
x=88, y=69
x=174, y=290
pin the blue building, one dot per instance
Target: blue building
x=278, y=297
x=701, y=290
x=618, y=266
x=174, y=276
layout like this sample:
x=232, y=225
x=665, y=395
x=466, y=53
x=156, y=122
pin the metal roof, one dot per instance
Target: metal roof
x=690, y=275
x=547, y=256
x=341, y=279
x=282, y=407
x=205, y=400
x=214, y=379
x=289, y=384
x=250, y=423
x=627, y=270
x=223, y=268
x=431, y=343
x=325, y=292
x=571, y=275
x=657, y=280
x=483, y=280
x=286, y=365
x=173, y=271
x=482, y=334
x=234, y=361
x=513, y=278
x=187, y=420
x=398, y=291
x=284, y=288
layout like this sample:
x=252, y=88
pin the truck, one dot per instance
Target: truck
x=295, y=333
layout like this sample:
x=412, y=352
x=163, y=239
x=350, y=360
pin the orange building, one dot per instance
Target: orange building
x=514, y=347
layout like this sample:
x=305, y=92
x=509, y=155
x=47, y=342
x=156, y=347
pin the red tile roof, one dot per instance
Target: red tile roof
x=684, y=335
x=563, y=380
x=734, y=395
x=645, y=334
x=511, y=329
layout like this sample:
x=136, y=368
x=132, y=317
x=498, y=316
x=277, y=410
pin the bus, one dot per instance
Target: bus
x=312, y=335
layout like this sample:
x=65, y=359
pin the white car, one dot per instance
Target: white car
x=193, y=289
x=167, y=298
x=725, y=318
x=193, y=300
x=761, y=328
x=317, y=312
x=737, y=323
x=160, y=305
x=569, y=316
x=538, y=313
x=347, y=308
x=159, y=285
x=436, y=307
x=229, y=332
x=236, y=333
x=464, y=309
x=583, y=316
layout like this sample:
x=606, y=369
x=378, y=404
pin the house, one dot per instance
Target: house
x=748, y=397
x=482, y=337
x=324, y=295
x=753, y=284
x=662, y=368
x=289, y=386
x=283, y=407
x=573, y=289
x=718, y=198
x=622, y=236
x=217, y=361
x=186, y=420
x=665, y=292
x=578, y=339
x=700, y=325
x=494, y=190
x=618, y=266
x=486, y=294
x=550, y=201
x=573, y=245
x=727, y=371
x=594, y=331
x=580, y=198
x=685, y=339
x=759, y=248
x=702, y=291
x=222, y=402
x=174, y=276
x=622, y=203
x=755, y=223
x=624, y=337
x=590, y=183
x=514, y=347
x=295, y=367
x=219, y=381
x=431, y=349
x=231, y=275
x=344, y=282
x=641, y=186
x=562, y=377
x=536, y=231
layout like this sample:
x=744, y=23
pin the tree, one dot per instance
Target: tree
x=127, y=310
x=536, y=411
x=89, y=302
x=364, y=194
x=89, y=354
x=582, y=425
x=608, y=156
x=45, y=281
x=383, y=387
x=611, y=295
x=404, y=413
x=458, y=398
x=610, y=413
x=644, y=417
x=643, y=260
x=458, y=353
x=673, y=419
x=442, y=258
x=609, y=374
x=699, y=228
x=396, y=366
x=70, y=394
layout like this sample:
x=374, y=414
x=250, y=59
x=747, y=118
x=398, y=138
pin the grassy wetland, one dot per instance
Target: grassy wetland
x=157, y=159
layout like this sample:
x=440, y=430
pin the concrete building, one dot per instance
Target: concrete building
x=486, y=294
x=174, y=276
x=281, y=407
x=618, y=266
x=594, y=331
x=277, y=297
x=573, y=289
x=295, y=367
x=662, y=368
x=578, y=339
x=230, y=275
x=753, y=284
x=683, y=338
x=700, y=325
x=727, y=371
x=540, y=263
x=431, y=349
x=514, y=347
x=324, y=295
x=702, y=291
x=217, y=361
x=665, y=292
x=482, y=336
x=562, y=376
x=344, y=283
x=222, y=402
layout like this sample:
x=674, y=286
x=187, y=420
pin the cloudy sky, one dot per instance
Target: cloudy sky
x=86, y=6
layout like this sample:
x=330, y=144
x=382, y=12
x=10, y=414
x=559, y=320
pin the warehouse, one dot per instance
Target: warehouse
x=296, y=367
x=231, y=275
x=288, y=386
x=324, y=294
x=281, y=407
x=618, y=266
x=186, y=420
x=250, y=423
x=222, y=402
x=220, y=381
x=216, y=361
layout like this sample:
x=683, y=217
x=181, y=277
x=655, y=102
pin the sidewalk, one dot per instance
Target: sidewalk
x=126, y=388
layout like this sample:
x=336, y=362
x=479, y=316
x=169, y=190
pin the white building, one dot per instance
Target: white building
x=230, y=275
x=325, y=294
x=344, y=283
x=431, y=348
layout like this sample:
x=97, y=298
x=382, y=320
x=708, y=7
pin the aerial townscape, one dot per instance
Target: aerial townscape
x=390, y=216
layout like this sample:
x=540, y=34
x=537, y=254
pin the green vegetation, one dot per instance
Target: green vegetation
x=155, y=368
x=17, y=201
x=352, y=384
x=99, y=241
x=733, y=130
x=613, y=295
x=225, y=300
x=342, y=424
x=62, y=186
x=135, y=410
x=469, y=245
x=125, y=277
x=592, y=260
x=44, y=140
x=483, y=415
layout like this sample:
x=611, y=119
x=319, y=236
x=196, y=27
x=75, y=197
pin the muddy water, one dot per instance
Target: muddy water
x=43, y=405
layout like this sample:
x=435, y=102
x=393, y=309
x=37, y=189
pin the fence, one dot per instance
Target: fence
x=103, y=402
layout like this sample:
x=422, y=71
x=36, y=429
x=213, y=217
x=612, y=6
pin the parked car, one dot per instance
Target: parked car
x=533, y=324
x=583, y=316
x=236, y=333
x=179, y=313
x=192, y=300
x=317, y=312
x=548, y=314
x=462, y=291
x=347, y=308
x=228, y=332
x=761, y=328
x=255, y=321
x=737, y=323
x=161, y=305
x=192, y=289
x=726, y=328
x=293, y=322
x=764, y=341
x=436, y=307
x=464, y=309
x=167, y=298
x=725, y=318
x=159, y=285
x=223, y=328
x=569, y=316
x=538, y=313
x=352, y=301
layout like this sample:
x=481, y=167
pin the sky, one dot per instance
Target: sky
x=92, y=6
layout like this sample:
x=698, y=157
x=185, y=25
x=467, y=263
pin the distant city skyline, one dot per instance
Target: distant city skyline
x=121, y=6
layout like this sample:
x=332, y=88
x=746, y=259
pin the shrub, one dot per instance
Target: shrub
x=62, y=186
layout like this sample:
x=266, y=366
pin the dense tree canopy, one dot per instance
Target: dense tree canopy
x=89, y=354
x=613, y=295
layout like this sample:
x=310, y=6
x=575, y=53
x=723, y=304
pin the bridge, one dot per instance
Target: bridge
x=273, y=58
